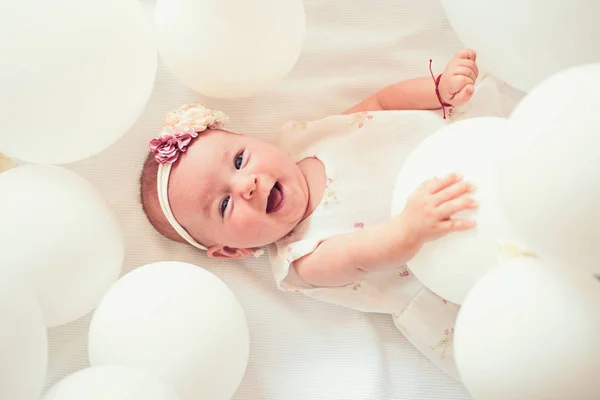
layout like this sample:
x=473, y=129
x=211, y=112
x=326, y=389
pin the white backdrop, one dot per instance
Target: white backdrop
x=300, y=349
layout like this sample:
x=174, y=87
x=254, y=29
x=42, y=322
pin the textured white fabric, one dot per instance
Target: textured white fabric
x=300, y=349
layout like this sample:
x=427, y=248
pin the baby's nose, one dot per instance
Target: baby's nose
x=246, y=186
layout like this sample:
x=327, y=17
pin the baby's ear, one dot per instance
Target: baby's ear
x=220, y=251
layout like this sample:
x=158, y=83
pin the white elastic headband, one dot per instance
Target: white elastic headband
x=162, y=186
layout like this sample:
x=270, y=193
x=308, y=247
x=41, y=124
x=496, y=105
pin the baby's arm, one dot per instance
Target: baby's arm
x=346, y=258
x=456, y=88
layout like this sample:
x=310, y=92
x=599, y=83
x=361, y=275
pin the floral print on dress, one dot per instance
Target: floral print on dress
x=299, y=126
x=330, y=195
x=445, y=342
x=359, y=225
x=403, y=271
x=359, y=119
x=290, y=255
x=289, y=289
x=355, y=286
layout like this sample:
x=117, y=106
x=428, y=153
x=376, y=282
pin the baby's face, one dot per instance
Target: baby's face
x=235, y=191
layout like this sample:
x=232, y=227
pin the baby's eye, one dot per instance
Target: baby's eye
x=224, y=204
x=237, y=162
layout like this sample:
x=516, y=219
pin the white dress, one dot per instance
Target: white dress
x=363, y=154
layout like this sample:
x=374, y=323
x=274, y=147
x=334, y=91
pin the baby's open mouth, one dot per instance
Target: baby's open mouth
x=275, y=199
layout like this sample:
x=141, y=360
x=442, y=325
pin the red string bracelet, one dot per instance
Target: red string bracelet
x=436, y=81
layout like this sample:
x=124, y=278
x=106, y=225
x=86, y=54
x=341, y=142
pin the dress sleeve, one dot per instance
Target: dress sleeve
x=298, y=137
x=282, y=256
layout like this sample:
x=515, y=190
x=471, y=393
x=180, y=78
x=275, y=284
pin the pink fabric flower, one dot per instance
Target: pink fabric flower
x=166, y=149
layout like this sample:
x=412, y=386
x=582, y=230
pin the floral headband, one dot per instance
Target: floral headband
x=179, y=128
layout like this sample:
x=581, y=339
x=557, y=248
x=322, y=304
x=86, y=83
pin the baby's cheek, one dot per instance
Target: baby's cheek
x=251, y=226
x=247, y=221
x=242, y=218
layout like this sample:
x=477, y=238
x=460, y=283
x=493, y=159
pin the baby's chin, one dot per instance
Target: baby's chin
x=265, y=240
x=261, y=234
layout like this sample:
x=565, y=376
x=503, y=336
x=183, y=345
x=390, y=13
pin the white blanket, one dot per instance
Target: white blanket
x=300, y=349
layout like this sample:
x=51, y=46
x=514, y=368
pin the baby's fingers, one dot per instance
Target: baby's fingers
x=449, y=208
x=471, y=65
x=467, y=54
x=456, y=225
x=466, y=71
x=464, y=95
x=435, y=185
x=452, y=191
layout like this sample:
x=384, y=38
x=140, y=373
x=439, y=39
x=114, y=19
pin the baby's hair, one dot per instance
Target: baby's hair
x=149, y=200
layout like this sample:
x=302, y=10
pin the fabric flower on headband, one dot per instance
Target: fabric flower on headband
x=180, y=127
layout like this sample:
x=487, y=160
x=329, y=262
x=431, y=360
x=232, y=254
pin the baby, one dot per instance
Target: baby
x=321, y=200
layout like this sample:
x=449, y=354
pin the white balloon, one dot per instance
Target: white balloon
x=110, y=383
x=525, y=42
x=23, y=340
x=451, y=265
x=60, y=232
x=528, y=330
x=176, y=321
x=230, y=48
x=75, y=76
x=548, y=173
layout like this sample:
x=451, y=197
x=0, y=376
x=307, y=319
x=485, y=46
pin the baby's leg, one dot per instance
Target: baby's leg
x=428, y=323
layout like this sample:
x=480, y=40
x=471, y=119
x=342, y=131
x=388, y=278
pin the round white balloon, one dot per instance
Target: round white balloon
x=230, y=48
x=530, y=331
x=177, y=321
x=525, y=42
x=81, y=70
x=110, y=383
x=549, y=172
x=59, y=231
x=23, y=340
x=450, y=266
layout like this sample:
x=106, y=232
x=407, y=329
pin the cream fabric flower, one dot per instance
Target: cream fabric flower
x=180, y=127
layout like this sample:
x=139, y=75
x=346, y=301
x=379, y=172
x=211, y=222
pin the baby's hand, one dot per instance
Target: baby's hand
x=429, y=210
x=457, y=84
